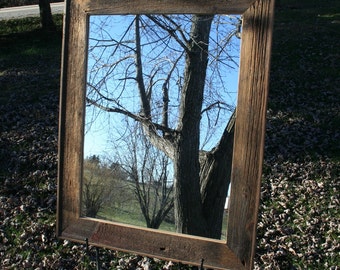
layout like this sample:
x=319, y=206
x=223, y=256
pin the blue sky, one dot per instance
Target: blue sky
x=100, y=138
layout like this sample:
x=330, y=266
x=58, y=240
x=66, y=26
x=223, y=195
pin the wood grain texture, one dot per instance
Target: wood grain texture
x=166, y=6
x=154, y=243
x=71, y=120
x=238, y=253
x=250, y=129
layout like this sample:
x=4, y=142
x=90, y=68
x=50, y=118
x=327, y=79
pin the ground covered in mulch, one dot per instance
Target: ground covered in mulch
x=299, y=220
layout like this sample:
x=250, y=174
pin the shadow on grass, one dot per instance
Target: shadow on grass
x=29, y=60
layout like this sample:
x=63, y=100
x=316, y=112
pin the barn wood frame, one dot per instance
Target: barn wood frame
x=237, y=252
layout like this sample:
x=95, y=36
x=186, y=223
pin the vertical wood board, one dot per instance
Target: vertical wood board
x=250, y=129
x=71, y=122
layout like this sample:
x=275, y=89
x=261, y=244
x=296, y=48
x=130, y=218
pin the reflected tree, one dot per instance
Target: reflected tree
x=147, y=168
x=100, y=186
x=168, y=73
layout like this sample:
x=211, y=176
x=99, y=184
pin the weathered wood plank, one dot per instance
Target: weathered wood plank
x=155, y=243
x=71, y=124
x=249, y=135
x=166, y=6
x=250, y=129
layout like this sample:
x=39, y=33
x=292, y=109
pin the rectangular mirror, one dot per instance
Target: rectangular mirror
x=129, y=171
x=149, y=131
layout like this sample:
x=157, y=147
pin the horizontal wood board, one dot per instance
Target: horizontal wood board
x=166, y=6
x=155, y=243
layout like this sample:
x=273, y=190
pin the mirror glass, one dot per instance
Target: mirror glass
x=161, y=93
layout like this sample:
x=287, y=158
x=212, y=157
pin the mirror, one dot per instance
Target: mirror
x=79, y=97
x=140, y=71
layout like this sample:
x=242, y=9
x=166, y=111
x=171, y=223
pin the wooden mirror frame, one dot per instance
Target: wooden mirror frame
x=237, y=252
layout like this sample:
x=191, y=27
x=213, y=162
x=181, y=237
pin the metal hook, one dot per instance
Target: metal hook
x=87, y=245
x=88, y=253
x=97, y=258
x=202, y=268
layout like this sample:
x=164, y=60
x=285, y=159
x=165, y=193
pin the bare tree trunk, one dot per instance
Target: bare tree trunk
x=215, y=179
x=46, y=15
x=188, y=206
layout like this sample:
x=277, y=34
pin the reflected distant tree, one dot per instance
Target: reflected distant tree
x=147, y=168
x=97, y=186
x=177, y=67
x=118, y=171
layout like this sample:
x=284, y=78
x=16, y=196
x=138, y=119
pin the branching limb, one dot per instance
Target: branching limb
x=172, y=32
x=145, y=102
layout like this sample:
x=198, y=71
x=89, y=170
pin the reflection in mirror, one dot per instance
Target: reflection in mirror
x=160, y=101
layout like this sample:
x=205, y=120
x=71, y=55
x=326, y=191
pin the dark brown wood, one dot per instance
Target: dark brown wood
x=238, y=251
x=250, y=129
x=167, y=6
x=71, y=122
x=163, y=245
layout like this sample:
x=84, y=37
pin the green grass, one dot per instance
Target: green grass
x=305, y=44
x=27, y=51
x=131, y=216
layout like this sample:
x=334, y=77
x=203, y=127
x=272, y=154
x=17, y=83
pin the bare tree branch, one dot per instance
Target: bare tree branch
x=171, y=31
x=145, y=102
